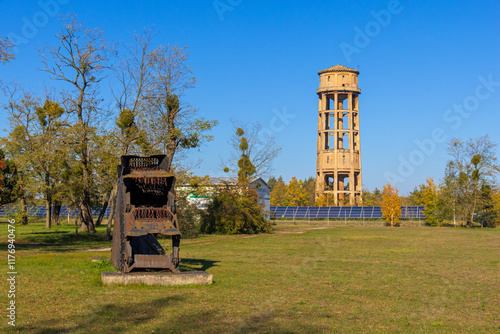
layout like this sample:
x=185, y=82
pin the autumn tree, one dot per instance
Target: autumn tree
x=430, y=198
x=309, y=185
x=495, y=196
x=391, y=204
x=6, y=47
x=296, y=194
x=278, y=193
x=80, y=60
x=326, y=198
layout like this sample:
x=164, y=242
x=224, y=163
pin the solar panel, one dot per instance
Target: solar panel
x=342, y=212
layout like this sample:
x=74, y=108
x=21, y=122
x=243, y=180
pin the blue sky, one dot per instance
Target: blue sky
x=429, y=70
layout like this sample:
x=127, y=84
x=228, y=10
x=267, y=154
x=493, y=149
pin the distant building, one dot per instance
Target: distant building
x=261, y=187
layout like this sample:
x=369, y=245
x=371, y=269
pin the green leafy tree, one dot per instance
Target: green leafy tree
x=430, y=199
x=9, y=187
x=188, y=215
x=36, y=140
x=271, y=182
x=246, y=169
x=391, y=204
x=488, y=214
x=472, y=167
x=105, y=158
x=372, y=198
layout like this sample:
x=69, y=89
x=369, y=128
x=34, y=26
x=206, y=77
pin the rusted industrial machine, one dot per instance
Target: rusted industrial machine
x=145, y=208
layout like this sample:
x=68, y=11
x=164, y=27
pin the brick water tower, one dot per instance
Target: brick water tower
x=338, y=165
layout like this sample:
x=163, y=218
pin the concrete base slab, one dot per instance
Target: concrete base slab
x=168, y=279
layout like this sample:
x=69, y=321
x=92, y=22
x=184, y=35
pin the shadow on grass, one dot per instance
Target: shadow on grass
x=107, y=318
x=59, y=241
x=50, y=232
x=196, y=264
x=144, y=316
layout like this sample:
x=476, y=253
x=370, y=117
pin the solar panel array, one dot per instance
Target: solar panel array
x=40, y=211
x=313, y=212
x=333, y=212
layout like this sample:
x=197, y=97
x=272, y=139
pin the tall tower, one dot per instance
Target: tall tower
x=338, y=165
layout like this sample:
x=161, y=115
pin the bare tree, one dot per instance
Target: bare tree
x=262, y=149
x=169, y=122
x=80, y=60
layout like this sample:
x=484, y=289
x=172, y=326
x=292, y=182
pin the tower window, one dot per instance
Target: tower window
x=345, y=121
x=345, y=141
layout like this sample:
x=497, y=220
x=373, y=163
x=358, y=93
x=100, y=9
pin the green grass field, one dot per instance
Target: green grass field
x=300, y=279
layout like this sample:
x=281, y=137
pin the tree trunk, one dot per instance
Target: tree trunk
x=103, y=211
x=76, y=215
x=48, y=202
x=24, y=211
x=56, y=212
x=112, y=212
x=85, y=205
x=111, y=215
x=76, y=221
x=86, y=217
x=48, y=215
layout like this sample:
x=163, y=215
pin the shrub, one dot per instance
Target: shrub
x=234, y=210
x=189, y=217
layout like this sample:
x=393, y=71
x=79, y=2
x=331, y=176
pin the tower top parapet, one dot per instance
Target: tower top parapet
x=338, y=68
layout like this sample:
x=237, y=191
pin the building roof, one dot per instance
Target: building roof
x=338, y=68
x=234, y=181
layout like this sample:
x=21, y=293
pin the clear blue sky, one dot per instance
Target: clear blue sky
x=255, y=58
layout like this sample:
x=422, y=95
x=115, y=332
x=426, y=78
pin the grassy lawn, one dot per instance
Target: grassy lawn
x=300, y=279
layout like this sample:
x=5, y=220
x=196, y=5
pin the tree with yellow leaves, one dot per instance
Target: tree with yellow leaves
x=278, y=193
x=495, y=195
x=391, y=204
x=431, y=201
x=296, y=195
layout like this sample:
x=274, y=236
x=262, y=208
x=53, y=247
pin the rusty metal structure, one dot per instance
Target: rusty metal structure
x=145, y=208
